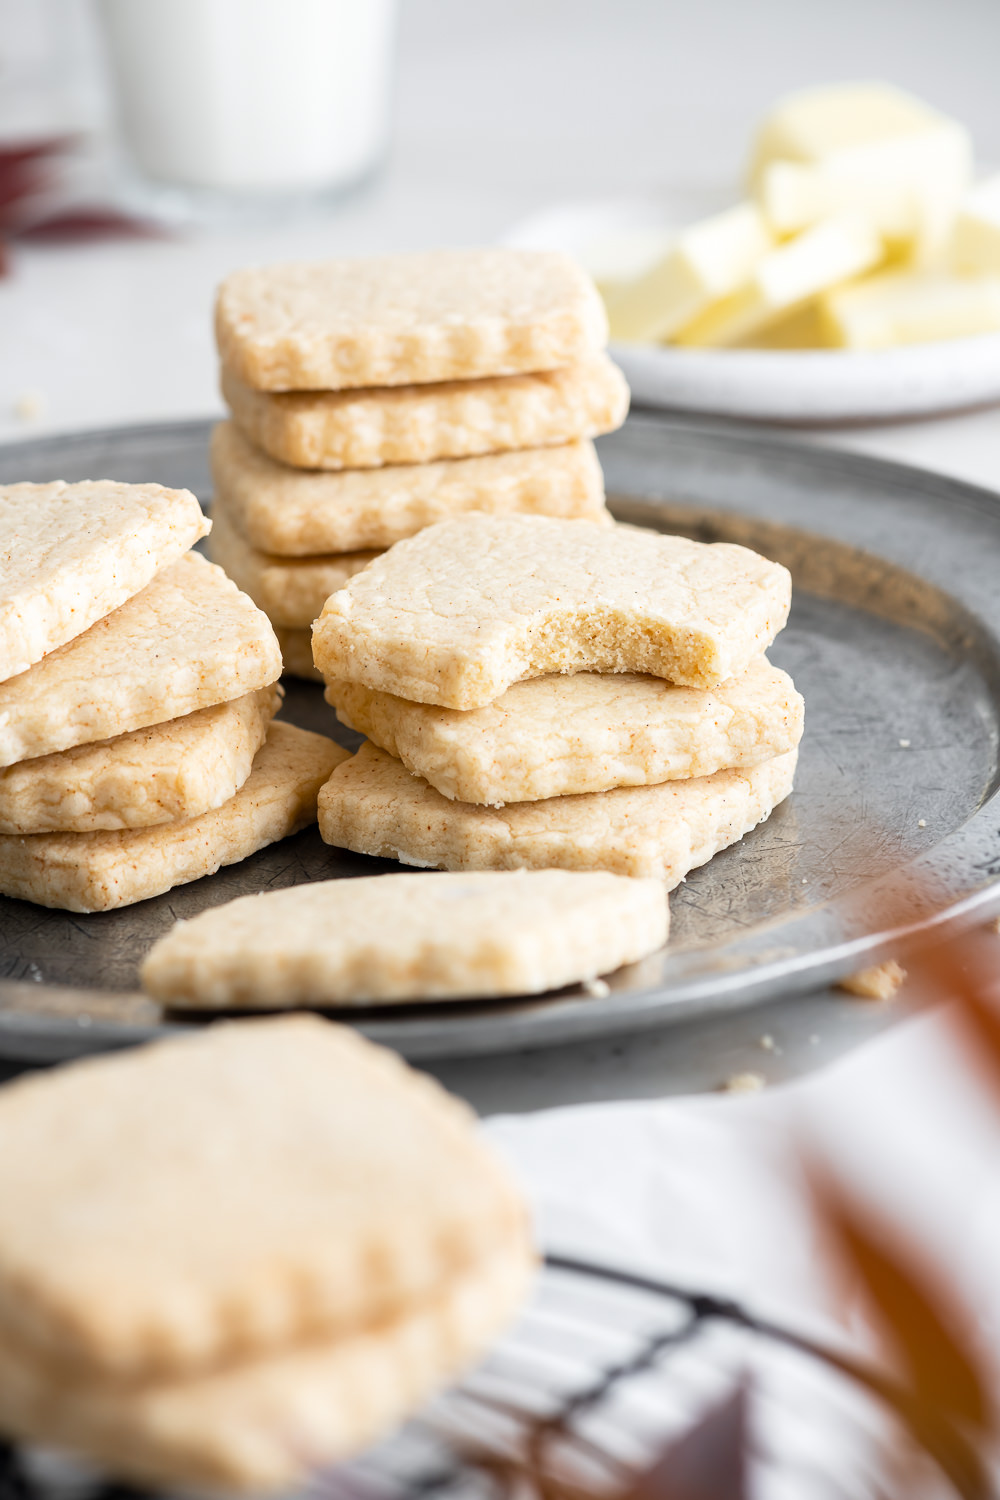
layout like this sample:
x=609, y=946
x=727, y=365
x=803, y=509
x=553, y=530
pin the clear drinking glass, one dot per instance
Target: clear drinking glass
x=243, y=101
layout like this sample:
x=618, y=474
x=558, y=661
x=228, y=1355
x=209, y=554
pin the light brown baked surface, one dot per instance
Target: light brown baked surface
x=296, y=654
x=236, y=1255
x=102, y=871
x=271, y=1423
x=290, y=590
x=156, y=775
x=188, y=640
x=558, y=736
x=373, y=805
x=453, y=937
x=71, y=553
x=300, y=512
x=457, y=614
x=406, y=319
x=414, y=424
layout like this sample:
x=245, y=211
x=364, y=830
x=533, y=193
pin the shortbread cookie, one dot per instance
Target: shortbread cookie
x=557, y=736
x=71, y=553
x=254, y=1248
x=189, y=639
x=407, y=319
x=156, y=775
x=457, y=614
x=271, y=1423
x=290, y=590
x=374, y=805
x=453, y=936
x=101, y=871
x=414, y=424
x=233, y=1192
x=298, y=513
x=297, y=654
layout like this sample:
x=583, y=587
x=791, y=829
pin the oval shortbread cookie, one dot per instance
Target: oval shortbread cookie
x=457, y=614
x=156, y=775
x=102, y=871
x=407, y=319
x=373, y=805
x=189, y=639
x=299, y=513
x=71, y=553
x=290, y=590
x=557, y=736
x=414, y=424
x=234, y=1257
x=453, y=936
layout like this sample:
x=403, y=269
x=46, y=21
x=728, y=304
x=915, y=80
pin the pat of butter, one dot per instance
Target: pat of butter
x=864, y=148
x=911, y=307
x=786, y=278
x=705, y=262
x=976, y=245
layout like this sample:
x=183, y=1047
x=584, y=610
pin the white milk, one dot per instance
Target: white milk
x=252, y=95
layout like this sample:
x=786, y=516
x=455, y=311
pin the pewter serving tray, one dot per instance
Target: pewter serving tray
x=894, y=822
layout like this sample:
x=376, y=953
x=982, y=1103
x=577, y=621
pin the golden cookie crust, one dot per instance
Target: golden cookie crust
x=188, y=640
x=71, y=553
x=373, y=805
x=414, y=424
x=453, y=937
x=156, y=775
x=406, y=319
x=457, y=614
x=299, y=513
x=88, y=872
x=589, y=732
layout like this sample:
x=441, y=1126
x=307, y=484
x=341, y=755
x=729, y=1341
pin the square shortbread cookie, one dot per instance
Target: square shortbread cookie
x=269, y=1424
x=188, y=640
x=101, y=871
x=557, y=736
x=253, y=1247
x=299, y=513
x=71, y=553
x=297, y=655
x=407, y=319
x=374, y=805
x=453, y=936
x=290, y=590
x=457, y=614
x=156, y=775
x=415, y=424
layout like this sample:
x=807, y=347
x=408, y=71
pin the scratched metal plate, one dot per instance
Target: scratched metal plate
x=894, y=639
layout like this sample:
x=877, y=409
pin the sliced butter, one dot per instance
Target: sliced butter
x=787, y=278
x=911, y=307
x=863, y=148
x=703, y=264
x=976, y=245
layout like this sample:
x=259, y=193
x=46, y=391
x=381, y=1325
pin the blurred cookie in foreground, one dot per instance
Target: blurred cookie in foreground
x=453, y=937
x=255, y=1250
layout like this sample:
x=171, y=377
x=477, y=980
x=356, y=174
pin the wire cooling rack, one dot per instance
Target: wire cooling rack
x=601, y=1373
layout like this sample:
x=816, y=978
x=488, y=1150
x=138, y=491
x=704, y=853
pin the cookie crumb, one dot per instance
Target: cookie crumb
x=880, y=982
x=904, y=744
x=921, y=822
x=768, y=1044
x=744, y=1083
x=994, y=926
x=30, y=406
x=597, y=988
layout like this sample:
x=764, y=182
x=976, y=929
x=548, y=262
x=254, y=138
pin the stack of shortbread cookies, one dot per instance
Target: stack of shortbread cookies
x=373, y=397
x=233, y=1258
x=539, y=693
x=137, y=690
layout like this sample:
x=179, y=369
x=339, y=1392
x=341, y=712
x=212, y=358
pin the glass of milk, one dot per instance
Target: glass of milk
x=251, y=99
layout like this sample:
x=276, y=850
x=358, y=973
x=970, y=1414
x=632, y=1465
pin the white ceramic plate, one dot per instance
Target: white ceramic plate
x=797, y=386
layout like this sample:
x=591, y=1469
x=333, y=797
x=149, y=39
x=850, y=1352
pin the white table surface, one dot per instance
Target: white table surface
x=502, y=110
